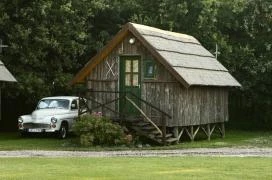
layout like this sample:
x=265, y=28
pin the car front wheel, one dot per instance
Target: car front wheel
x=63, y=131
x=23, y=134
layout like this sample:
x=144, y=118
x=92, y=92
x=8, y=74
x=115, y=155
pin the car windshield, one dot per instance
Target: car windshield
x=53, y=104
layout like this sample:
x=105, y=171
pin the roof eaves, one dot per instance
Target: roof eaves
x=8, y=77
x=79, y=77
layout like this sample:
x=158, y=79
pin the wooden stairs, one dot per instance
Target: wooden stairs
x=146, y=129
x=143, y=125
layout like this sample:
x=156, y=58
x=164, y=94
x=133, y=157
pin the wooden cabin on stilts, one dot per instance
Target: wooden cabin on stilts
x=163, y=84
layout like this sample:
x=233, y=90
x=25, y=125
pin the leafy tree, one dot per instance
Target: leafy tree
x=46, y=42
x=49, y=41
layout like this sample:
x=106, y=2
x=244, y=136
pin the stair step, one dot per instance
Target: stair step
x=134, y=120
x=155, y=132
x=170, y=140
x=167, y=135
x=148, y=128
x=142, y=123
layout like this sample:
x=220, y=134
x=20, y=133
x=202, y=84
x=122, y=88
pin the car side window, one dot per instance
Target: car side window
x=74, y=104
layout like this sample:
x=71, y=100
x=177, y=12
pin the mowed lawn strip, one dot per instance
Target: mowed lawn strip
x=137, y=168
x=12, y=141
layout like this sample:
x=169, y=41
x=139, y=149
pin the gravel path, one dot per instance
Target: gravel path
x=221, y=152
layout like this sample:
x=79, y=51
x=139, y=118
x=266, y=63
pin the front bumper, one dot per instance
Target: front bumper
x=38, y=130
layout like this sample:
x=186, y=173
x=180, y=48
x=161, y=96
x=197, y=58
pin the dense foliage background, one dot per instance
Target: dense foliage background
x=49, y=41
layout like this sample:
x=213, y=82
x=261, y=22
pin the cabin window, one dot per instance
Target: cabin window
x=132, y=72
x=149, y=69
x=128, y=80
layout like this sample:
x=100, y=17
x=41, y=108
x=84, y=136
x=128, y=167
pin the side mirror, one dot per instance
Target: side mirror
x=73, y=106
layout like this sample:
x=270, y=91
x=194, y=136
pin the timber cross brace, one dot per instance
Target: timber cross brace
x=207, y=129
x=110, y=68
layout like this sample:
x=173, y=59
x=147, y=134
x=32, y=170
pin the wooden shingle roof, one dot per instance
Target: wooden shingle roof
x=5, y=75
x=183, y=55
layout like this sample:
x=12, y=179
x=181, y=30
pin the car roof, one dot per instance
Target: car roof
x=62, y=97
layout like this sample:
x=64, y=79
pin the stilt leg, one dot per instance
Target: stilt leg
x=192, y=132
x=209, y=132
x=181, y=132
x=176, y=134
x=222, y=129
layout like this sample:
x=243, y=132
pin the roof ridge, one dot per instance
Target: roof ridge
x=176, y=34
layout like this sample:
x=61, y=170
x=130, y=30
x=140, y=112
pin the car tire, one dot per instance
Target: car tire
x=23, y=134
x=63, y=131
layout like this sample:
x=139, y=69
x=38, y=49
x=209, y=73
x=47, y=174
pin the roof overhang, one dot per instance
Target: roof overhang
x=86, y=70
x=5, y=75
x=212, y=71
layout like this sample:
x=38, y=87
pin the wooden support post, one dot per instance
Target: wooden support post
x=192, y=132
x=209, y=132
x=90, y=104
x=163, y=129
x=180, y=134
x=222, y=129
x=176, y=133
x=79, y=107
x=212, y=129
x=196, y=131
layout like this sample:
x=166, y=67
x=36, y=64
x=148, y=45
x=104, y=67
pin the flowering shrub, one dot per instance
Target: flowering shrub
x=97, y=130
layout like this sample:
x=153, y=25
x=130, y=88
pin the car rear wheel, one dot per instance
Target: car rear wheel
x=63, y=131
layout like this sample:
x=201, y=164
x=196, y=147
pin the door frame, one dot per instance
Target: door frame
x=122, y=73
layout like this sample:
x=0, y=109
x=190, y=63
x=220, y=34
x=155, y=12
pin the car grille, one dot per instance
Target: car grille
x=36, y=125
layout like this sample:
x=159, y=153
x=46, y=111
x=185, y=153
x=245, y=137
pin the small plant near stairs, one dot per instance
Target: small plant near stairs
x=96, y=130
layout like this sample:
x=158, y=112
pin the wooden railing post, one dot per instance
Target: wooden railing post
x=90, y=95
x=122, y=100
x=102, y=110
x=163, y=129
x=78, y=111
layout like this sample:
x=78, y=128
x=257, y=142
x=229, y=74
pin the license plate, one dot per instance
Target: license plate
x=34, y=130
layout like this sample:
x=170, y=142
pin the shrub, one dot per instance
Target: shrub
x=94, y=130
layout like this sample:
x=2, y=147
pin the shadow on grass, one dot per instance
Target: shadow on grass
x=234, y=138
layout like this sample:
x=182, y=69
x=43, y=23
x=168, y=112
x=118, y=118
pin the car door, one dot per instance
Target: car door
x=73, y=112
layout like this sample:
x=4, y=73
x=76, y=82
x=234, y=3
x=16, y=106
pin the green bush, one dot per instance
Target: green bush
x=94, y=130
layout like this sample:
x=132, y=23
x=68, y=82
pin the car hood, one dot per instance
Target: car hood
x=42, y=113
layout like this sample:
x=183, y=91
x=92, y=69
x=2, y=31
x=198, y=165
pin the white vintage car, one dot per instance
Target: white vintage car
x=52, y=115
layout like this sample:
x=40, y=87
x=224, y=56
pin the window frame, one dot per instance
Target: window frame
x=148, y=63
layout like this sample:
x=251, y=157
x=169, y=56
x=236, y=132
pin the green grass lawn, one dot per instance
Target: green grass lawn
x=136, y=168
x=234, y=138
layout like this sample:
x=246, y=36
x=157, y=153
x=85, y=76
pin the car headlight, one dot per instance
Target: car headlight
x=20, y=120
x=54, y=120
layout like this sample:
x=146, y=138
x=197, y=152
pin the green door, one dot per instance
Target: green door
x=130, y=82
